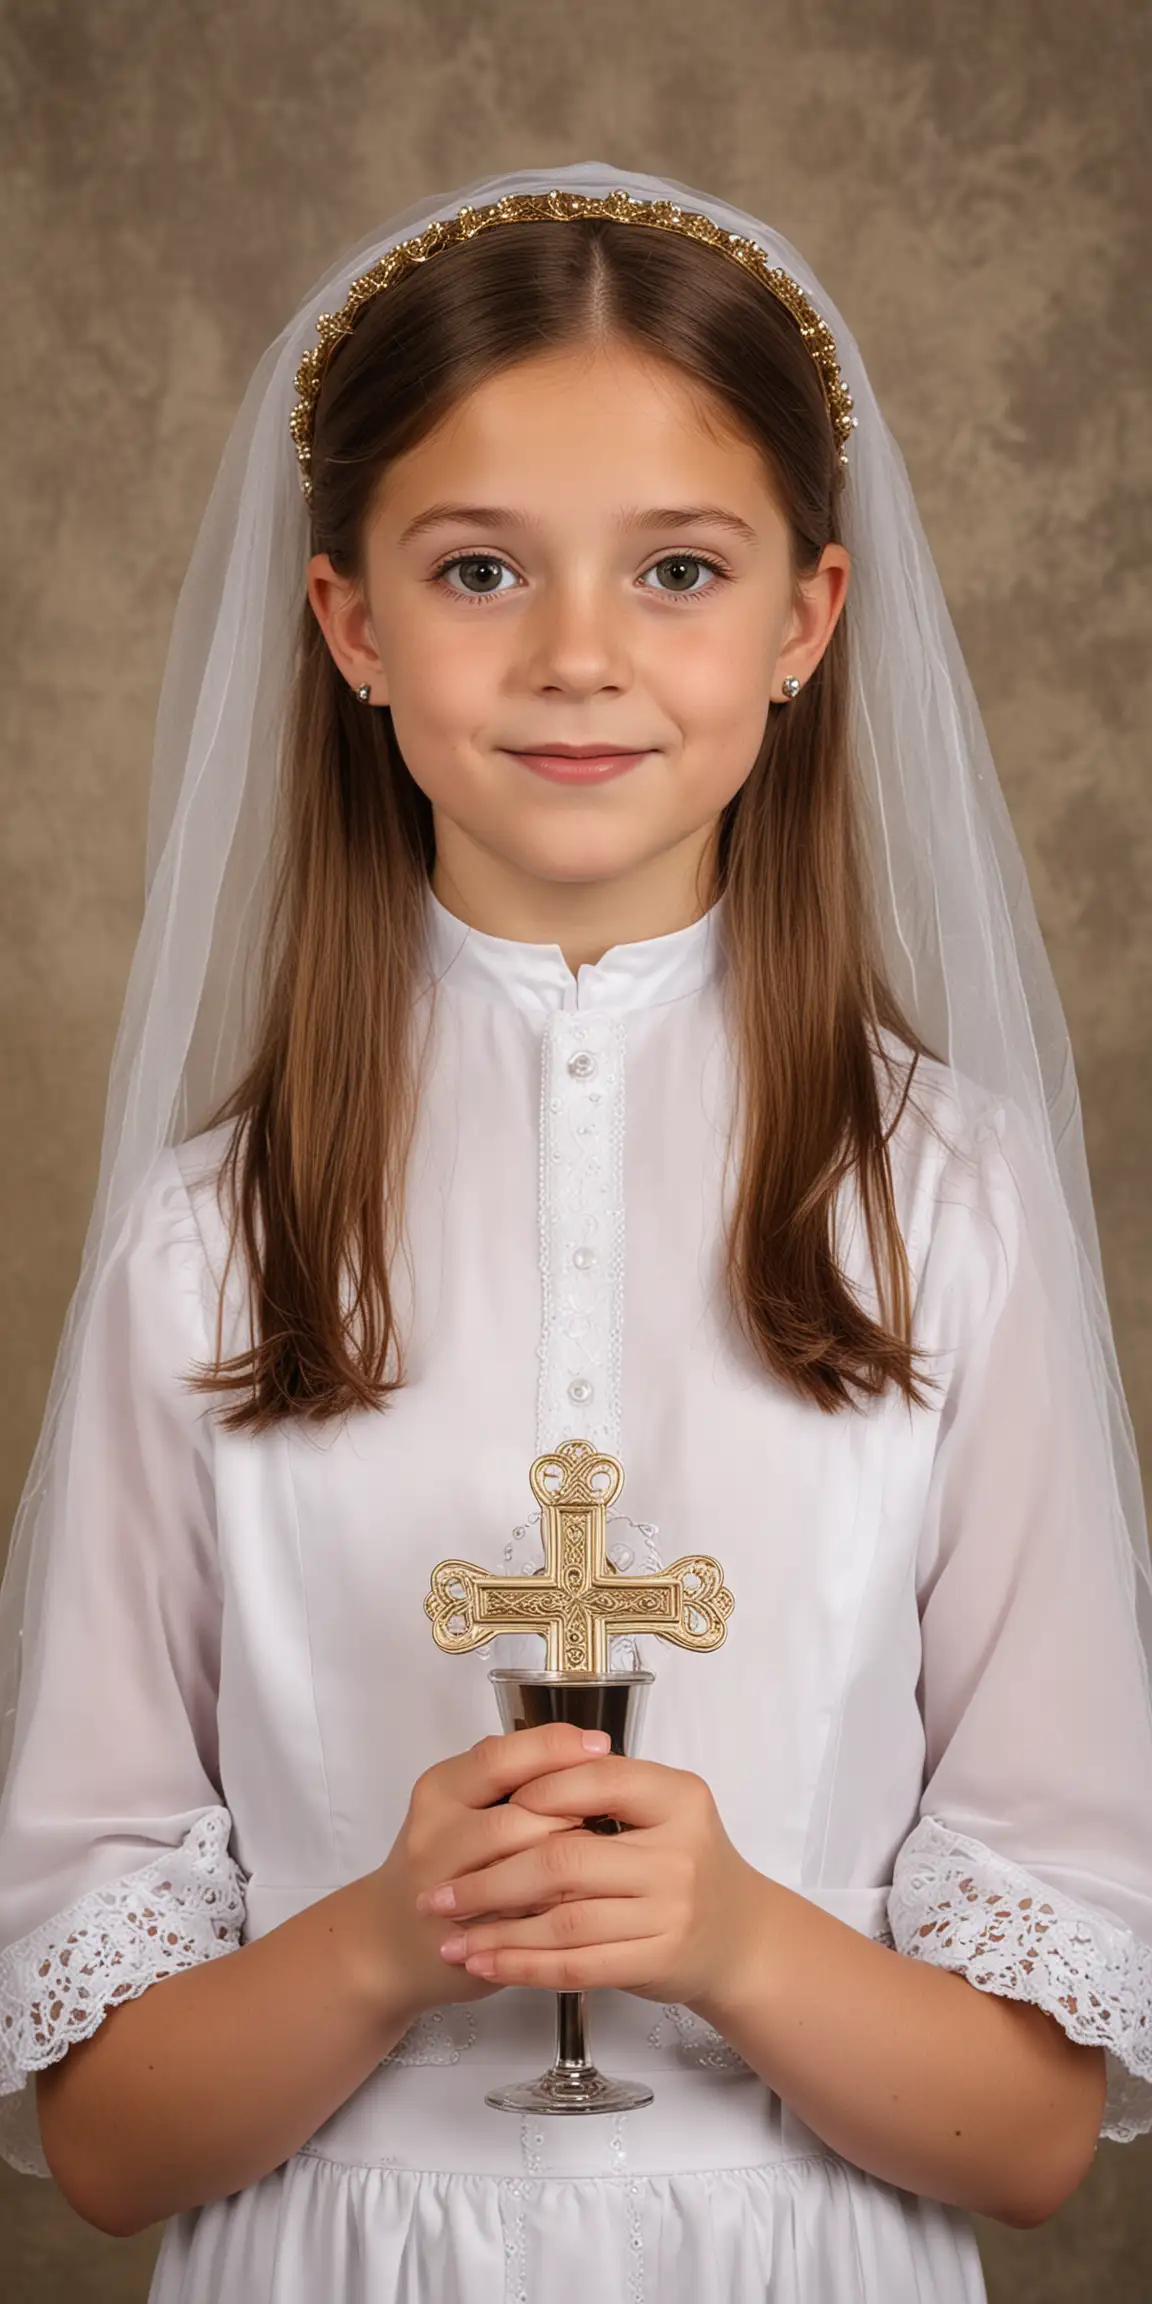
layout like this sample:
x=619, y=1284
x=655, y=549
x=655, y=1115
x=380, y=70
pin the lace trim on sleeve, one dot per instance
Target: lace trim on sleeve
x=57, y=1984
x=955, y=1902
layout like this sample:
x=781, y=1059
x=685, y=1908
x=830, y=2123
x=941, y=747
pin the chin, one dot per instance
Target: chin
x=578, y=864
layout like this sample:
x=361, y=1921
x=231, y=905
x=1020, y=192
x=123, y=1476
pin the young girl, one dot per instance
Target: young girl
x=651, y=1044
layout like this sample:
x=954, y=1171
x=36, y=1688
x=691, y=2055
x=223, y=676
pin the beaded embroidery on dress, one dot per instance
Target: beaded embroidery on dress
x=581, y=1217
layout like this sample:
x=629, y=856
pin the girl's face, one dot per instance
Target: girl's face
x=583, y=553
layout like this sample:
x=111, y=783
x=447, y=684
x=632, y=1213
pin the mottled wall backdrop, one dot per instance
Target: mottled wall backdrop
x=972, y=184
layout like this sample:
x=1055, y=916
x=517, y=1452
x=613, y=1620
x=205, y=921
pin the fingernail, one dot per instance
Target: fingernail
x=443, y=1900
x=595, y=1740
x=482, y=1964
x=453, y=1947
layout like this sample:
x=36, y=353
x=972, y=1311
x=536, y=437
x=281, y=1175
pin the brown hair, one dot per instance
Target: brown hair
x=325, y=1111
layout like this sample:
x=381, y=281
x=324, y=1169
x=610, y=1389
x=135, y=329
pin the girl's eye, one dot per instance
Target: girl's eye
x=487, y=562
x=679, y=561
x=489, y=565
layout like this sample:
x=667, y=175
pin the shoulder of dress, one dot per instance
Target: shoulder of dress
x=198, y=1157
x=180, y=1197
x=934, y=1112
x=957, y=1151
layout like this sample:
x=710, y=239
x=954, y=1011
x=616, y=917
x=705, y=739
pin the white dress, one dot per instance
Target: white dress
x=928, y=1715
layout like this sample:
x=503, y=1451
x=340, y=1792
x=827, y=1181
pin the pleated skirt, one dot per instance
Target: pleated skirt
x=417, y=2192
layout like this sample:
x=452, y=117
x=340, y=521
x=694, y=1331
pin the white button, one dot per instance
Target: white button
x=579, y=1389
x=584, y=1259
x=582, y=1065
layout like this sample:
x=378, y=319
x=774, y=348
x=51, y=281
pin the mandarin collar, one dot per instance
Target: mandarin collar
x=537, y=976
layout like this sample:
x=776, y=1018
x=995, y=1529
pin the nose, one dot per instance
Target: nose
x=575, y=640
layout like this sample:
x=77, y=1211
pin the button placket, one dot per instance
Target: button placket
x=581, y=1229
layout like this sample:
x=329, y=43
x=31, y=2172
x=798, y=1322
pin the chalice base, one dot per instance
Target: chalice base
x=583, y=2089
x=613, y=1701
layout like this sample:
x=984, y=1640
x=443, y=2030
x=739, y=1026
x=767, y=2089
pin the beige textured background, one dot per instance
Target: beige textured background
x=972, y=184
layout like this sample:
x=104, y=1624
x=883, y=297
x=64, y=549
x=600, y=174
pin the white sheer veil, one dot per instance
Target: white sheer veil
x=962, y=943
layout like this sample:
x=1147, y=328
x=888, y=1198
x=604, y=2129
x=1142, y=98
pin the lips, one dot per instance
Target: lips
x=578, y=766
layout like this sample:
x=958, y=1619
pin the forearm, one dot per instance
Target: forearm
x=907, y=2070
x=212, y=2078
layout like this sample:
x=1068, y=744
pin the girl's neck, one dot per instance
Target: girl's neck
x=586, y=918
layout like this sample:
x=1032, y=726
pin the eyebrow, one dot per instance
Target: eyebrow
x=659, y=516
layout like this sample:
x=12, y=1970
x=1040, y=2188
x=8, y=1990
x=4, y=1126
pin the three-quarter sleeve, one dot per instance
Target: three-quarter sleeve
x=115, y=1868
x=1029, y=1869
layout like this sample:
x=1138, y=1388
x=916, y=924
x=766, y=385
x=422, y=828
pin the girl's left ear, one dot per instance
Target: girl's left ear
x=820, y=598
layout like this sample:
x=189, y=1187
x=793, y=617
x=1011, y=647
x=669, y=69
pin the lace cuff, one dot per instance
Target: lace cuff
x=57, y=1984
x=955, y=1902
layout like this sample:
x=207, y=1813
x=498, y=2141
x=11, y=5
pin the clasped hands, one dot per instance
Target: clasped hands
x=667, y=1909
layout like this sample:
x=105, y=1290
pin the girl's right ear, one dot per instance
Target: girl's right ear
x=341, y=610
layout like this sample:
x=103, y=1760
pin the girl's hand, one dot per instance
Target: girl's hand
x=460, y=1818
x=667, y=1910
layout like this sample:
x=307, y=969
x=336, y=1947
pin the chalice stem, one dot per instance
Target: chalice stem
x=571, y=2052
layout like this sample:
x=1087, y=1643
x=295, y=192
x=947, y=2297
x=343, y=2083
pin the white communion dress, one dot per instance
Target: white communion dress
x=928, y=1715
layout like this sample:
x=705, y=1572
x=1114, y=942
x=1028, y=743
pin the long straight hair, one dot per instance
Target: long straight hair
x=324, y=1115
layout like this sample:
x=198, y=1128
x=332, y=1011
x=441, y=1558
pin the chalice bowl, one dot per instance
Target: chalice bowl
x=576, y=1603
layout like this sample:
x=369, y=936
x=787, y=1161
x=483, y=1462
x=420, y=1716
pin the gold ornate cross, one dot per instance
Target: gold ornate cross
x=580, y=1599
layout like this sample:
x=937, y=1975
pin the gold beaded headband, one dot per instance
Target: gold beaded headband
x=534, y=207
